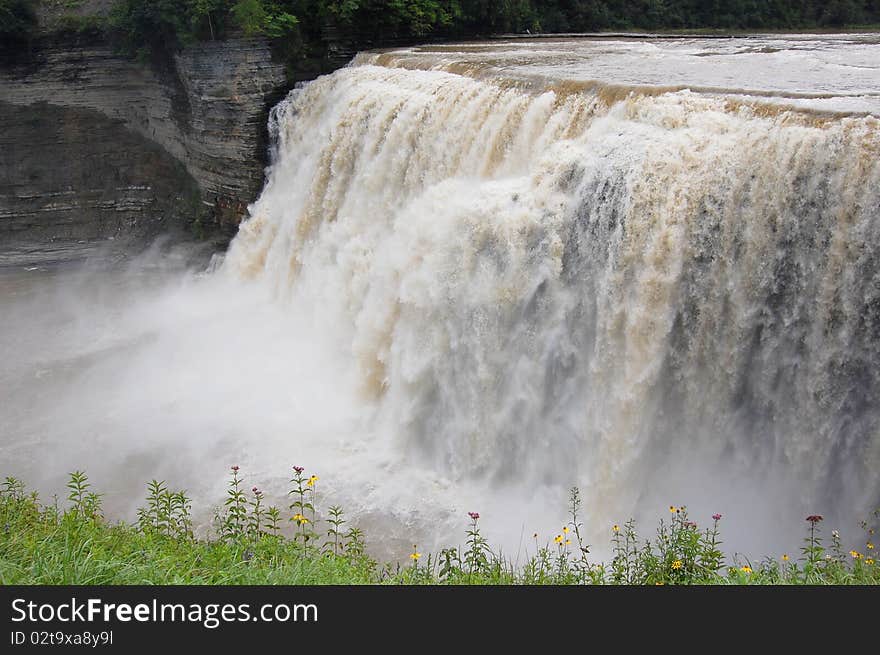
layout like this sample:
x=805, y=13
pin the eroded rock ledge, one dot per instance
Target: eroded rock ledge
x=96, y=145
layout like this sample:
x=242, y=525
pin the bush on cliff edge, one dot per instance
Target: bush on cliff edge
x=18, y=19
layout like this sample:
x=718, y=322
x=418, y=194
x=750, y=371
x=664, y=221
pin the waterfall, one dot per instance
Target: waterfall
x=542, y=283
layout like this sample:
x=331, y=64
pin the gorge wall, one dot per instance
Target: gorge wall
x=98, y=146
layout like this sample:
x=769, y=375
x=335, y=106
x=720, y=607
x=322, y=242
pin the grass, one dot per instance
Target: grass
x=47, y=545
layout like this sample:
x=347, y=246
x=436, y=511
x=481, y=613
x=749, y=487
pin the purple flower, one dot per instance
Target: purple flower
x=235, y=469
x=716, y=517
x=474, y=515
x=814, y=518
x=298, y=469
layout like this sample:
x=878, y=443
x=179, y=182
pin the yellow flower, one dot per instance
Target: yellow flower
x=558, y=539
x=615, y=527
x=312, y=480
x=565, y=530
x=300, y=519
x=869, y=546
x=676, y=564
x=659, y=584
x=568, y=542
x=785, y=558
x=415, y=556
x=745, y=569
x=673, y=509
x=870, y=561
x=855, y=554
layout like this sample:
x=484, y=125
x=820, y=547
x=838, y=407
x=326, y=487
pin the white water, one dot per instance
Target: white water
x=466, y=288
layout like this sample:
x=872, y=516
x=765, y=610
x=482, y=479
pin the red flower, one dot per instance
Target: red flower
x=235, y=469
x=474, y=515
x=814, y=518
x=716, y=517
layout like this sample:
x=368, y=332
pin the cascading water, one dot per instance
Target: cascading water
x=588, y=286
x=480, y=275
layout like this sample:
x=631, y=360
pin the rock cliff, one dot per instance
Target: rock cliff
x=96, y=145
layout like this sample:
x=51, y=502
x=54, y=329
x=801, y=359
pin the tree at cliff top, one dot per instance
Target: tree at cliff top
x=18, y=19
x=146, y=24
x=162, y=24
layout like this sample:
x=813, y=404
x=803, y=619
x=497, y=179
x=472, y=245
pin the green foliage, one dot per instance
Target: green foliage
x=166, y=513
x=477, y=555
x=279, y=24
x=302, y=506
x=336, y=543
x=168, y=24
x=41, y=545
x=147, y=25
x=143, y=27
x=250, y=15
x=73, y=24
x=85, y=504
x=234, y=516
x=681, y=553
x=18, y=19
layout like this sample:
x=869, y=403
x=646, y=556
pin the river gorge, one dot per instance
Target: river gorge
x=479, y=274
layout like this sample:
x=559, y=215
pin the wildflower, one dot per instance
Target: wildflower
x=235, y=469
x=615, y=527
x=690, y=524
x=785, y=558
x=300, y=519
x=870, y=561
x=298, y=469
x=814, y=518
x=474, y=515
x=676, y=564
x=312, y=480
x=256, y=491
x=869, y=546
x=568, y=542
x=558, y=539
x=535, y=536
x=745, y=569
x=855, y=554
x=673, y=509
x=716, y=517
x=415, y=556
x=565, y=530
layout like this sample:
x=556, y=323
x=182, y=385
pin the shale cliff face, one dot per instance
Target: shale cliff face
x=97, y=146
